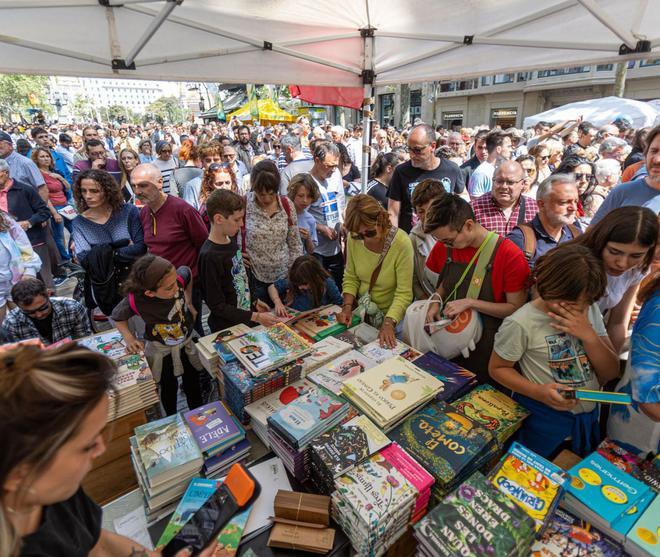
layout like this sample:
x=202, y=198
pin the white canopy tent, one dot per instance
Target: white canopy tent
x=338, y=43
x=600, y=112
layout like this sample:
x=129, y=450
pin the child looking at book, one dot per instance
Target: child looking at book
x=308, y=286
x=560, y=343
x=162, y=296
x=303, y=191
x=222, y=275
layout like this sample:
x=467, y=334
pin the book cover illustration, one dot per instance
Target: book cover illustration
x=211, y=425
x=349, y=444
x=165, y=444
x=493, y=410
x=321, y=323
x=351, y=338
x=531, y=481
x=604, y=488
x=443, y=369
x=299, y=418
x=199, y=490
x=131, y=370
x=261, y=409
x=442, y=440
x=476, y=520
x=332, y=375
x=378, y=354
x=109, y=343
x=646, y=531
x=630, y=463
x=324, y=351
x=568, y=536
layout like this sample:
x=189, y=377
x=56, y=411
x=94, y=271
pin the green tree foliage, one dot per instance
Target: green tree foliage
x=16, y=90
x=166, y=110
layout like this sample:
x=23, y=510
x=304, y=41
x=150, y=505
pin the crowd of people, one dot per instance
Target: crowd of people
x=549, y=235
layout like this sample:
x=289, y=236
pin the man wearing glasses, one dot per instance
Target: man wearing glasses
x=423, y=164
x=97, y=158
x=38, y=316
x=499, y=147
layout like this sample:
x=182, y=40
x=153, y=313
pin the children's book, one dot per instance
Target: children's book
x=213, y=427
x=456, y=379
x=645, y=533
x=630, y=463
x=332, y=375
x=378, y=354
x=109, y=343
x=199, y=490
x=263, y=408
x=322, y=323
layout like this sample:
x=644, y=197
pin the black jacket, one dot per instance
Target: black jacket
x=25, y=203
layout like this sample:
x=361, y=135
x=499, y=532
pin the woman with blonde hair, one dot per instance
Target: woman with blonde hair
x=128, y=160
x=379, y=268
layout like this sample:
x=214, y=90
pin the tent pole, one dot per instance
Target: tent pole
x=151, y=30
x=368, y=77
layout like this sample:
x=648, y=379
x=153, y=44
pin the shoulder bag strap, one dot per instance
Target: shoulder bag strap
x=285, y=203
x=386, y=247
x=521, y=211
x=479, y=274
x=132, y=304
x=529, y=240
x=452, y=295
x=575, y=231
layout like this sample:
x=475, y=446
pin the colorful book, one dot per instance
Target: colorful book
x=348, y=444
x=530, y=481
x=493, y=410
x=263, y=408
x=267, y=349
x=378, y=354
x=109, y=343
x=332, y=375
x=322, y=323
x=213, y=427
x=199, y=490
x=351, y=338
x=166, y=448
x=645, y=533
x=630, y=463
x=456, y=379
x=476, y=520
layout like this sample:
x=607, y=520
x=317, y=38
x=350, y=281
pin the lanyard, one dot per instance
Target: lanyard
x=452, y=295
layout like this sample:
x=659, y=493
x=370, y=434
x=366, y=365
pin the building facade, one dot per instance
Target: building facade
x=507, y=99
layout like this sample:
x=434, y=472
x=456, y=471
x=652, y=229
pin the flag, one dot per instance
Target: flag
x=220, y=114
x=253, y=101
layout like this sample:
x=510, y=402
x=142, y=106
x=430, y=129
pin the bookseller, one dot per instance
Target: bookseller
x=53, y=412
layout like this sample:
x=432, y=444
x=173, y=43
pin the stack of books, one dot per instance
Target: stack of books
x=264, y=350
x=378, y=354
x=134, y=384
x=456, y=379
x=217, y=434
x=292, y=428
x=473, y=521
x=332, y=375
x=321, y=323
x=643, y=470
x=415, y=474
x=260, y=410
x=197, y=493
x=568, y=536
x=643, y=539
x=448, y=444
x=335, y=452
x=165, y=457
x=373, y=504
x=207, y=346
x=606, y=496
x=529, y=480
x=493, y=410
x=390, y=391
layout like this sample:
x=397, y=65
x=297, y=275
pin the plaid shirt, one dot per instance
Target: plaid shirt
x=491, y=217
x=69, y=321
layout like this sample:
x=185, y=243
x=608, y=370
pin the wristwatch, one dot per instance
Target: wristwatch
x=391, y=320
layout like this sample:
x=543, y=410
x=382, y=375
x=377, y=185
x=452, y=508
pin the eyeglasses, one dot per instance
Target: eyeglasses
x=330, y=166
x=366, y=234
x=530, y=171
x=501, y=182
x=166, y=151
x=448, y=241
x=583, y=176
x=418, y=150
x=217, y=166
x=545, y=158
x=40, y=309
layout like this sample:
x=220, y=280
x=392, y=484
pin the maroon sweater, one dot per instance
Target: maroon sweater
x=175, y=232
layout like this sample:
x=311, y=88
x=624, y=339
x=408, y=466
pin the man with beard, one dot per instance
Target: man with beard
x=245, y=151
x=423, y=164
x=557, y=199
x=643, y=192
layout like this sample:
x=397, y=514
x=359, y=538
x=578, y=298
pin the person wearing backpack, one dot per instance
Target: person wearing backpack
x=557, y=197
x=272, y=239
x=478, y=270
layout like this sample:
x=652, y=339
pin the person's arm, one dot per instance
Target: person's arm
x=212, y=275
x=403, y=294
x=332, y=293
x=350, y=286
x=186, y=273
x=137, y=247
x=133, y=345
x=39, y=206
x=514, y=300
x=80, y=240
x=196, y=228
x=30, y=259
x=619, y=318
x=277, y=301
x=293, y=241
x=393, y=210
x=115, y=545
x=82, y=327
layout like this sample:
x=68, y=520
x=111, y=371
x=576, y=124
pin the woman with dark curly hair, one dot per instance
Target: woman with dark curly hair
x=104, y=217
x=216, y=177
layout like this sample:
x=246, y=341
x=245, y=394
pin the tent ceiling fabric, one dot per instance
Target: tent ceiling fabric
x=319, y=43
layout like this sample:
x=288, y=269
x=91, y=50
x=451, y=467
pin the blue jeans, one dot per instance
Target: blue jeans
x=58, y=235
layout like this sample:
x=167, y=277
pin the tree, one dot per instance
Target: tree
x=20, y=92
x=82, y=108
x=166, y=109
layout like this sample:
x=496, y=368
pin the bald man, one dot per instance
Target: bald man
x=504, y=207
x=173, y=229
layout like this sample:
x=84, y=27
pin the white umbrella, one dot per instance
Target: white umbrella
x=600, y=112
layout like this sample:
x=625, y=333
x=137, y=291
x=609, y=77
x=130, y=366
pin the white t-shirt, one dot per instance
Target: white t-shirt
x=546, y=355
x=617, y=288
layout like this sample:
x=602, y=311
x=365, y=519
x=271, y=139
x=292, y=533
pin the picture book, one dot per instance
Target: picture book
x=630, y=463
x=199, y=490
x=390, y=389
x=476, y=520
x=109, y=343
x=324, y=351
x=605, y=489
x=261, y=409
x=645, y=533
x=267, y=349
x=348, y=444
x=378, y=354
x=322, y=323
x=530, y=481
x=568, y=536
x=165, y=445
x=307, y=416
x=456, y=379
x=132, y=369
x=213, y=427
x=351, y=338
x=442, y=440
x=332, y=375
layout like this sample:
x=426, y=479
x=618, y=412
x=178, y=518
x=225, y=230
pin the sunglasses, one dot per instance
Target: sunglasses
x=366, y=234
x=583, y=176
x=41, y=308
x=217, y=166
x=530, y=171
x=166, y=150
x=546, y=158
x=418, y=150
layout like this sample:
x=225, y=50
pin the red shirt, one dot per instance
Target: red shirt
x=175, y=232
x=510, y=268
x=491, y=217
x=56, y=193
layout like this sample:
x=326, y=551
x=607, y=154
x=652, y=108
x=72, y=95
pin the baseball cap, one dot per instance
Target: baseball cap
x=4, y=136
x=268, y=130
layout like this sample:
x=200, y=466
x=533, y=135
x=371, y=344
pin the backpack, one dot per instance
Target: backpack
x=529, y=238
x=103, y=277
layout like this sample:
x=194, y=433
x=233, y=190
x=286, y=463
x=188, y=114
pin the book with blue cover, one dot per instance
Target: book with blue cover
x=645, y=533
x=213, y=427
x=603, y=489
x=456, y=379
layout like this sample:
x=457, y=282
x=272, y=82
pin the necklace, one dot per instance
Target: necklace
x=15, y=511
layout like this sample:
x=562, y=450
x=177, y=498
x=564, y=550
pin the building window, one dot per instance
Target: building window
x=564, y=71
x=486, y=80
x=415, y=104
x=524, y=76
x=503, y=117
x=647, y=63
x=450, y=86
x=604, y=67
x=387, y=109
x=503, y=78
